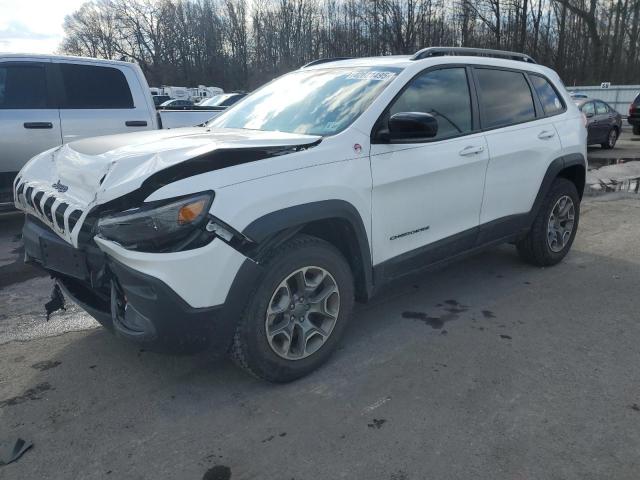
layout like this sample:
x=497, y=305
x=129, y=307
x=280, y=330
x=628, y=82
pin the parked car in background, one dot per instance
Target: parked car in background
x=160, y=99
x=604, y=124
x=255, y=232
x=577, y=95
x=177, y=103
x=224, y=100
x=50, y=100
x=634, y=115
x=201, y=112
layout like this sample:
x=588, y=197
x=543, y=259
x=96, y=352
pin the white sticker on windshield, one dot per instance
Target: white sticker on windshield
x=557, y=103
x=371, y=75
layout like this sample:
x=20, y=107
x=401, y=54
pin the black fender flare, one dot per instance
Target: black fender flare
x=553, y=170
x=276, y=227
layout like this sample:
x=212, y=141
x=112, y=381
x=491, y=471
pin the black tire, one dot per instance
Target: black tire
x=534, y=248
x=251, y=349
x=612, y=138
x=636, y=129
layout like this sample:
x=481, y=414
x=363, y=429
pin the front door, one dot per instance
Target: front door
x=427, y=194
x=589, y=111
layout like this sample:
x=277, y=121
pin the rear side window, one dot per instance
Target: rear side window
x=442, y=93
x=22, y=87
x=87, y=86
x=505, y=98
x=551, y=103
x=588, y=109
x=601, y=108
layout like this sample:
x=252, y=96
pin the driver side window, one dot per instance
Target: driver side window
x=442, y=93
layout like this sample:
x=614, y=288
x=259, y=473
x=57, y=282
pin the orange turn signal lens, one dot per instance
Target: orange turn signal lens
x=189, y=212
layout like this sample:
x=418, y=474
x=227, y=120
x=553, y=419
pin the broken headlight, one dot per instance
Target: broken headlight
x=167, y=225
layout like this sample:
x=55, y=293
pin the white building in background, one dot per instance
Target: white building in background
x=187, y=93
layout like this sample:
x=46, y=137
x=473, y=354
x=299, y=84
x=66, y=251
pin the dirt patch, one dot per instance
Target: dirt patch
x=46, y=365
x=29, y=394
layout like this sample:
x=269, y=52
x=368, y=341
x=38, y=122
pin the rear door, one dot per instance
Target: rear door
x=603, y=121
x=100, y=100
x=522, y=143
x=29, y=122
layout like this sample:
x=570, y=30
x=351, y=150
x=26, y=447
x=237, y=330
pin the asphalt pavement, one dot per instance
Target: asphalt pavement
x=486, y=369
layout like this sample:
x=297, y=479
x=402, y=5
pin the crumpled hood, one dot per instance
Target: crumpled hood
x=118, y=164
x=96, y=170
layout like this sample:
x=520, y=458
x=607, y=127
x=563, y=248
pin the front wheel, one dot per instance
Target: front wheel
x=612, y=138
x=554, y=227
x=297, y=314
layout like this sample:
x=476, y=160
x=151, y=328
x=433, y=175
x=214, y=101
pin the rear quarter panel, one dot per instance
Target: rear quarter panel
x=572, y=134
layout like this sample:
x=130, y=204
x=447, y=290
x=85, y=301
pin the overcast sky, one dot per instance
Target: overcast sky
x=33, y=26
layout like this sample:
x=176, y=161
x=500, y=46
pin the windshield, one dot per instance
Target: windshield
x=315, y=102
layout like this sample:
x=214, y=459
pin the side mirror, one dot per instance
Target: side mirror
x=412, y=126
x=589, y=115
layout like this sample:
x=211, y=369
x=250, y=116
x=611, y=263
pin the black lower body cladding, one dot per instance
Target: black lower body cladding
x=134, y=305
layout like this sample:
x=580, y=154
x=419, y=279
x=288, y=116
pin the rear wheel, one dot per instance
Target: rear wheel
x=297, y=314
x=636, y=129
x=554, y=227
x=612, y=138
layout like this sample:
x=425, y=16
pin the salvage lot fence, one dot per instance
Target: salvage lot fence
x=618, y=96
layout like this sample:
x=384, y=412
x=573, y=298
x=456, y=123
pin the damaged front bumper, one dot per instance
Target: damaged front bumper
x=134, y=304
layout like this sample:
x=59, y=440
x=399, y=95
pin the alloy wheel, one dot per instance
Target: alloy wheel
x=302, y=313
x=561, y=222
x=613, y=137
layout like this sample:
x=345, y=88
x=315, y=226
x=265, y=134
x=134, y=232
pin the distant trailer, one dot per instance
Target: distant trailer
x=201, y=92
x=187, y=93
x=180, y=93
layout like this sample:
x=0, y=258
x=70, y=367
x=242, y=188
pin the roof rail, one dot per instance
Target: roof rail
x=325, y=60
x=478, y=52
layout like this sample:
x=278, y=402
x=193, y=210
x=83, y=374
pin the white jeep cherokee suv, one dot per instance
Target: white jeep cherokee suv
x=257, y=231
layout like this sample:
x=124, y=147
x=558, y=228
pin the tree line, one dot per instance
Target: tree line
x=240, y=44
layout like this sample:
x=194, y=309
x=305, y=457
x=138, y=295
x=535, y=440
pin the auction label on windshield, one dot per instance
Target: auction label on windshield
x=371, y=75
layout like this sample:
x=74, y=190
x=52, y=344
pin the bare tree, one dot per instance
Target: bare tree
x=242, y=43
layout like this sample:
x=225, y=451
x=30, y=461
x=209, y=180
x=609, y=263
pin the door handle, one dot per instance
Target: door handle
x=136, y=123
x=38, y=125
x=546, y=134
x=471, y=150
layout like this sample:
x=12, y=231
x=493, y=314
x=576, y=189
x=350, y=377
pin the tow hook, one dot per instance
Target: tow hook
x=56, y=303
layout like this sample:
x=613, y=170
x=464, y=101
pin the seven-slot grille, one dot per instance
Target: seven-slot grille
x=54, y=211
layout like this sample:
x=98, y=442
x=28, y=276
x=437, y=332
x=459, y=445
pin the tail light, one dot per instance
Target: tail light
x=632, y=109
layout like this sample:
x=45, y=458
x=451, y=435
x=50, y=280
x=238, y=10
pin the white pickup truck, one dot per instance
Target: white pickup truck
x=48, y=100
